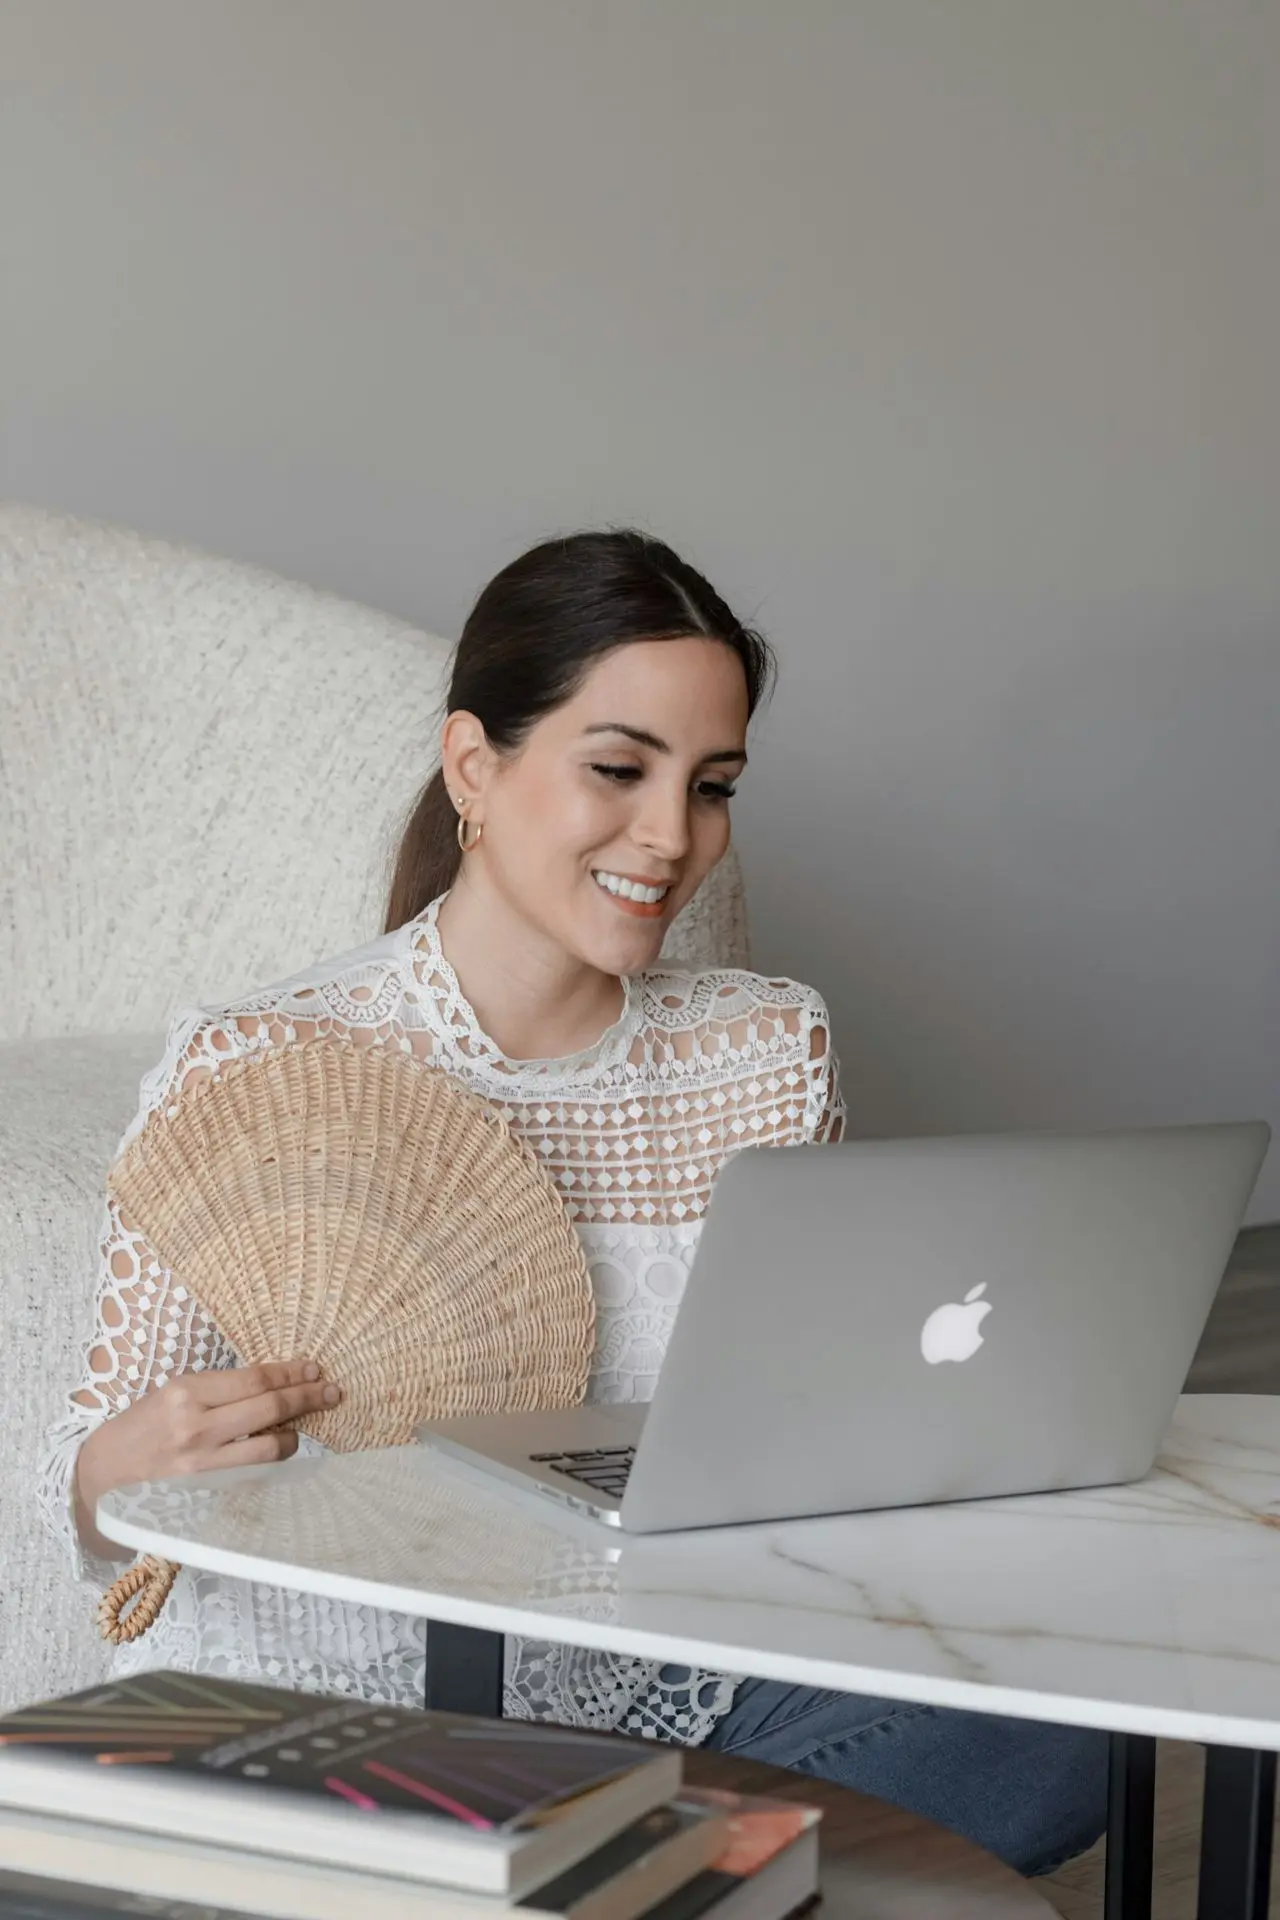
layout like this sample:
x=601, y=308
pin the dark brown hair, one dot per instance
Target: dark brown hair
x=530, y=638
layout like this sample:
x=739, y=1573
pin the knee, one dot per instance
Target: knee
x=1062, y=1810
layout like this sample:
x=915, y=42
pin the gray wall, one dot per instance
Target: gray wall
x=945, y=336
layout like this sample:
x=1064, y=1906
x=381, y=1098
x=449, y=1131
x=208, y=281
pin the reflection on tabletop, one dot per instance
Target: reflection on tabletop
x=1162, y=1595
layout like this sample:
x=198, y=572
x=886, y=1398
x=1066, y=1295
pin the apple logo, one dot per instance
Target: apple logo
x=951, y=1332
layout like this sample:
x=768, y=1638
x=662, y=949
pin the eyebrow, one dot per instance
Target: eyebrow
x=643, y=739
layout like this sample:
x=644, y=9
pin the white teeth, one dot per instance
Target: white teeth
x=630, y=889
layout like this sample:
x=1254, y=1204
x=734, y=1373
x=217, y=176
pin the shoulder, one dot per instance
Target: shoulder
x=352, y=986
x=766, y=1006
x=751, y=1048
x=361, y=988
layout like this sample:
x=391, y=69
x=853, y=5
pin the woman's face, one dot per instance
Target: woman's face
x=608, y=818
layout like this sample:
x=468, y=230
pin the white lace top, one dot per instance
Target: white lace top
x=633, y=1130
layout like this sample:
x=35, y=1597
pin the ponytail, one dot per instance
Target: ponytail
x=429, y=857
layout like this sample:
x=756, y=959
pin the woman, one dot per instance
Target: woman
x=596, y=728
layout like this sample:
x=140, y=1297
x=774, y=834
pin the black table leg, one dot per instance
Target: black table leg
x=464, y=1670
x=1235, y=1847
x=1131, y=1806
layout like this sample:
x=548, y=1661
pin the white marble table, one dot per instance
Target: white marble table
x=1145, y=1610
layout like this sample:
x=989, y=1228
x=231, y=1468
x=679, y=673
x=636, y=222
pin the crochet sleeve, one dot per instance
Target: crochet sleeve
x=827, y=1103
x=146, y=1328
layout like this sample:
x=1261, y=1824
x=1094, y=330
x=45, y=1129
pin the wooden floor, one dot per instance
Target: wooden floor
x=1240, y=1353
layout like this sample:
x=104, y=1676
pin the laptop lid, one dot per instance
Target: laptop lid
x=881, y=1323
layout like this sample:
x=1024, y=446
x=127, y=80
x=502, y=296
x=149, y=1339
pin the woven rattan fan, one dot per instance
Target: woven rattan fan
x=352, y=1206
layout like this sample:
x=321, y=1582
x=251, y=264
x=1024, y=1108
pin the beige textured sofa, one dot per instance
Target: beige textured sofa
x=202, y=769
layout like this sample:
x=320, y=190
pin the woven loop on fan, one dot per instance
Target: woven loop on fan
x=351, y=1206
x=148, y=1585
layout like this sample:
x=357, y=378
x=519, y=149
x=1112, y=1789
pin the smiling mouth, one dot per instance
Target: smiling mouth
x=633, y=896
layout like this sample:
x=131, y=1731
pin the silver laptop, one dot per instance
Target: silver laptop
x=881, y=1324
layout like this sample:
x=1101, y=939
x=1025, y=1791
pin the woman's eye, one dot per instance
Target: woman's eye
x=717, y=790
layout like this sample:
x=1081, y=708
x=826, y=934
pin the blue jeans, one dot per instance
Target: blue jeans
x=1033, y=1795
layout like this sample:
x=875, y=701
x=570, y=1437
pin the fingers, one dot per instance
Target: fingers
x=271, y=1408
x=258, y=1450
x=221, y=1385
x=203, y=1414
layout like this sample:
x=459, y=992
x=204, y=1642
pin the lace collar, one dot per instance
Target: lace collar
x=439, y=992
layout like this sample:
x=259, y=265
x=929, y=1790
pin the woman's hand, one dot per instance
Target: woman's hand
x=226, y=1417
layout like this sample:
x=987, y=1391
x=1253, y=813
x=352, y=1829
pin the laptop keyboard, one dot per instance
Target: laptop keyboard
x=603, y=1469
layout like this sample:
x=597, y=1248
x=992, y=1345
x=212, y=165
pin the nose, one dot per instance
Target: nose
x=661, y=825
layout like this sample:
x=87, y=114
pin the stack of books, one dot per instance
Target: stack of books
x=183, y=1797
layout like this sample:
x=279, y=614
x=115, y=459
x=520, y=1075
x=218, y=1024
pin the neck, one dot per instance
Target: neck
x=535, y=1000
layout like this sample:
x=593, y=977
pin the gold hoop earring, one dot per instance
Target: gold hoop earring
x=465, y=844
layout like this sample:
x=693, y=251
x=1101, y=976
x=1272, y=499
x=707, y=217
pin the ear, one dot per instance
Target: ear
x=466, y=761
